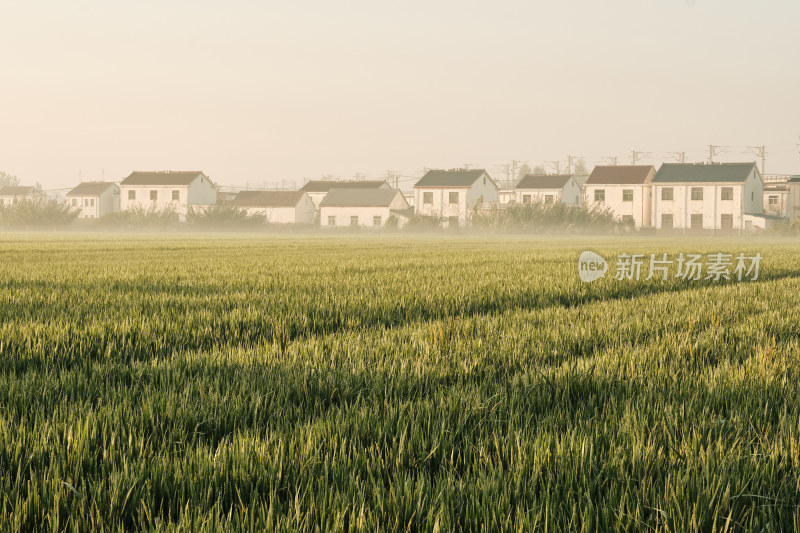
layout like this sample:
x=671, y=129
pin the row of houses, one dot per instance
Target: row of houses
x=677, y=196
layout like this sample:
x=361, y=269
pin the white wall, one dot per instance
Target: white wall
x=302, y=213
x=570, y=194
x=484, y=190
x=96, y=206
x=365, y=214
x=201, y=192
x=639, y=208
x=747, y=198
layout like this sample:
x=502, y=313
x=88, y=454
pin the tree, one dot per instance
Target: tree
x=539, y=170
x=580, y=168
x=523, y=171
x=8, y=179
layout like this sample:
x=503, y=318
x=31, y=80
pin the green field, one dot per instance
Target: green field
x=392, y=383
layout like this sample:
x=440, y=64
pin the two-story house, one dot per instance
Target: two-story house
x=710, y=197
x=178, y=191
x=622, y=189
x=11, y=194
x=451, y=195
x=548, y=189
x=94, y=199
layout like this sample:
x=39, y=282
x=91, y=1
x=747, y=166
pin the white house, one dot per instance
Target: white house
x=793, y=202
x=623, y=189
x=94, y=199
x=180, y=191
x=318, y=189
x=362, y=207
x=11, y=194
x=277, y=207
x=450, y=195
x=776, y=199
x=533, y=188
x=711, y=197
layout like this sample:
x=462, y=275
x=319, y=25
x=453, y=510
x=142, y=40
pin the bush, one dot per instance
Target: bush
x=544, y=218
x=140, y=217
x=222, y=217
x=39, y=213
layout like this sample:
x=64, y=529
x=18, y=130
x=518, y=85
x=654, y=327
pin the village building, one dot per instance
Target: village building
x=179, y=191
x=624, y=190
x=776, y=199
x=277, y=207
x=548, y=189
x=708, y=197
x=11, y=194
x=451, y=195
x=371, y=208
x=318, y=189
x=94, y=199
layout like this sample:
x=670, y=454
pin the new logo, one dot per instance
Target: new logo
x=591, y=267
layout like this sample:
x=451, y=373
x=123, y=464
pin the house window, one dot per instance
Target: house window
x=85, y=202
x=484, y=180
x=153, y=196
x=176, y=196
x=427, y=198
x=772, y=199
x=91, y=202
x=666, y=221
x=526, y=198
x=727, y=193
x=131, y=195
x=666, y=193
x=376, y=221
x=627, y=195
x=697, y=193
x=696, y=222
x=453, y=197
x=354, y=221
x=752, y=196
x=548, y=198
x=600, y=195
x=331, y=221
x=726, y=221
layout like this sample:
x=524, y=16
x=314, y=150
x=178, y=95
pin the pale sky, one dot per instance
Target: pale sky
x=253, y=91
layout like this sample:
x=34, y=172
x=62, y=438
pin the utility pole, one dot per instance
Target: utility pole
x=760, y=151
x=611, y=160
x=392, y=174
x=570, y=160
x=556, y=165
x=680, y=157
x=636, y=156
x=714, y=151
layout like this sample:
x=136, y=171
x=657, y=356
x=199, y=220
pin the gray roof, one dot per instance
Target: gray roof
x=794, y=179
x=17, y=190
x=542, y=181
x=619, y=174
x=359, y=198
x=450, y=178
x=167, y=177
x=327, y=185
x=700, y=173
x=90, y=188
x=267, y=198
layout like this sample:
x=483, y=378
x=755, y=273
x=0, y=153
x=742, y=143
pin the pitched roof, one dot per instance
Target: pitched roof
x=794, y=179
x=327, y=185
x=450, y=178
x=619, y=174
x=542, y=181
x=267, y=198
x=359, y=198
x=17, y=190
x=166, y=177
x=90, y=188
x=700, y=173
